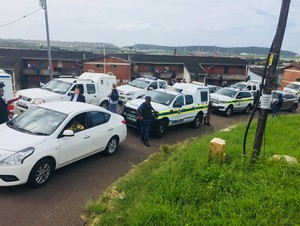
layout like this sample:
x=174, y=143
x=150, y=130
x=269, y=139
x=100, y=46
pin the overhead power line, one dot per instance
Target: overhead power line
x=4, y=25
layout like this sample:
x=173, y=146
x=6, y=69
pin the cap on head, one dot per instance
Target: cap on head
x=2, y=84
x=148, y=98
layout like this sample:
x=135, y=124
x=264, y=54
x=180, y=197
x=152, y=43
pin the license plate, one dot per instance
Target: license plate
x=23, y=105
x=131, y=118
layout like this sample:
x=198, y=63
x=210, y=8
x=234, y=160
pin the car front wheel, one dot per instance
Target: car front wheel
x=161, y=129
x=197, y=121
x=247, y=109
x=40, y=173
x=228, y=111
x=293, y=108
x=111, y=146
x=104, y=104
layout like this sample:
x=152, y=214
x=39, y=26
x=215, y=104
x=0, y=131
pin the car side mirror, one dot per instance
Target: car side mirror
x=70, y=93
x=150, y=88
x=68, y=133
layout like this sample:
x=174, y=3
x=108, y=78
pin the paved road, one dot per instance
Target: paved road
x=62, y=200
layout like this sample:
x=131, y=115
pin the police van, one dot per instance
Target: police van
x=228, y=100
x=174, y=105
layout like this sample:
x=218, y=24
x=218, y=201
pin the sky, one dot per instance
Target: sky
x=224, y=23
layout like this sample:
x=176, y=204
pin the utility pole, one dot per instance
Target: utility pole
x=43, y=4
x=271, y=79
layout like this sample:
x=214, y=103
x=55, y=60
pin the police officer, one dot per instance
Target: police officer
x=145, y=115
x=3, y=106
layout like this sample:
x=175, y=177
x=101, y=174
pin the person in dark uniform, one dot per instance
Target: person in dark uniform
x=77, y=96
x=145, y=115
x=3, y=106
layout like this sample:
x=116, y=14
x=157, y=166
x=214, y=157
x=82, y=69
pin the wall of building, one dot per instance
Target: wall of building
x=290, y=75
x=120, y=68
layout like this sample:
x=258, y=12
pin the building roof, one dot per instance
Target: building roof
x=192, y=63
x=9, y=57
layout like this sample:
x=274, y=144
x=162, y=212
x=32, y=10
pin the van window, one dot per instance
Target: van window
x=153, y=85
x=204, y=96
x=188, y=99
x=179, y=101
x=90, y=88
x=162, y=85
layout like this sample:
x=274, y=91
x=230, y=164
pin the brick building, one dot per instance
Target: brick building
x=291, y=73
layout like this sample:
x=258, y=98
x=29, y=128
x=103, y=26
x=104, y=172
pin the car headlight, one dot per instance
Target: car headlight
x=131, y=93
x=17, y=158
x=38, y=101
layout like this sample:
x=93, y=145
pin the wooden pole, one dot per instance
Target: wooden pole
x=271, y=79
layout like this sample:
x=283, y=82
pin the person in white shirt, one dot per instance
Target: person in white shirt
x=113, y=95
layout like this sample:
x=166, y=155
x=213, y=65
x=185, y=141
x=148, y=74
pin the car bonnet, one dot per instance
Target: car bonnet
x=14, y=141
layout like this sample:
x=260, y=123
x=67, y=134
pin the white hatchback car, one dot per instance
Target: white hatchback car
x=52, y=135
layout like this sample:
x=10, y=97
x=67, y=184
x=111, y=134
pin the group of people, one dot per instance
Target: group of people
x=113, y=96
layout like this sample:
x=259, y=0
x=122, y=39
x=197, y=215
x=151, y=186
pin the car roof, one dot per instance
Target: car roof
x=151, y=79
x=69, y=106
x=283, y=92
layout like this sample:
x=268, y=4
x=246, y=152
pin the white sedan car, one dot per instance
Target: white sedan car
x=53, y=135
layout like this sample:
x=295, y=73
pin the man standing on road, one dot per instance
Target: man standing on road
x=145, y=115
x=3, y=106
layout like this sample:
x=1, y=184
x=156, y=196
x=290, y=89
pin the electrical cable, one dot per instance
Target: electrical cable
x=255, y=104
x=4, y=25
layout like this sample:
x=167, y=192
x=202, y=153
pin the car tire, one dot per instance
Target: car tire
x=293, y=108
x=197, y=121
x=161, y=129
x=40, y=173
x=247, y=109
x=228, y=111
x=111, y=146
x=104, y=104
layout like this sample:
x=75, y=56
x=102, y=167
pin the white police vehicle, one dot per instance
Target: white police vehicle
x=139, y=88
x=293, y=87
x=228, y=100
x=182, y=103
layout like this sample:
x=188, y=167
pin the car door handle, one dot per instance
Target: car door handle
x=86, y=137
x=110, y=129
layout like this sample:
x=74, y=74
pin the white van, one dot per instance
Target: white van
x=94, y=86
x=8, y=89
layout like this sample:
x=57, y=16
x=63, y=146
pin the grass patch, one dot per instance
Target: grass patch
x=180, y=186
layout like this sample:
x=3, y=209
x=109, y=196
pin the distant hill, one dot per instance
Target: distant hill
x=98, y=47
x=208, y=50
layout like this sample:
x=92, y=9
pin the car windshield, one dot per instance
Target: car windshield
x=139, y=83
x=239, y=85
x=293, y=86
x=37, y=121
x=161, y=97
x=226, y=92
x=57, y=86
